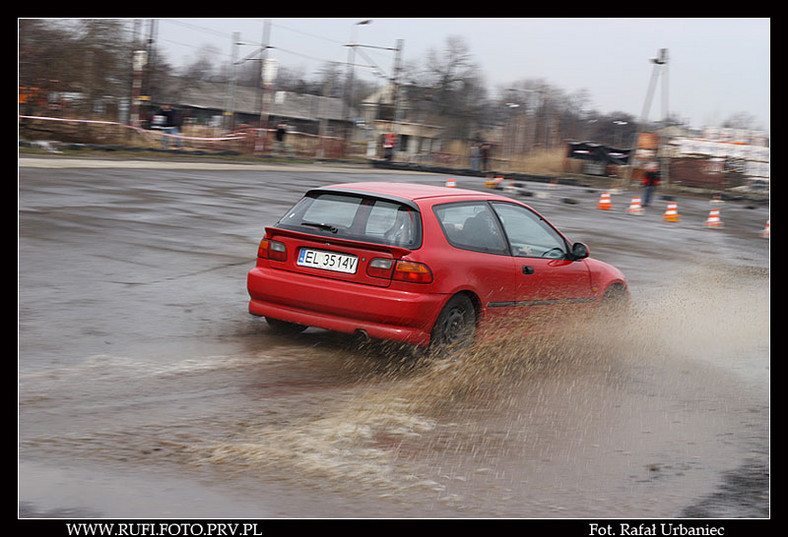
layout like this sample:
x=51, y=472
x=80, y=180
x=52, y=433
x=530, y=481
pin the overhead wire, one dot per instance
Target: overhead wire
x=372, y=64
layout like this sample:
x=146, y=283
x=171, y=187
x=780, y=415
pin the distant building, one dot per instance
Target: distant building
x=387, y=111
x=207, y=103
x=716, y=155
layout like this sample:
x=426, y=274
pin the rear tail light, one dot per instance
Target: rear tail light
x=408, y=271
x=404, y=271
x=269, y=249
x=380, y=268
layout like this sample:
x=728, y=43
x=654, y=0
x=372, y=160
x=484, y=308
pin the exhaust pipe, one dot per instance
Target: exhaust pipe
x=362, y=335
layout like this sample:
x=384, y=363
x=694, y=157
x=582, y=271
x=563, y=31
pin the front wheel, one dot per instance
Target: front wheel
x=455, y=329
x=615, y=301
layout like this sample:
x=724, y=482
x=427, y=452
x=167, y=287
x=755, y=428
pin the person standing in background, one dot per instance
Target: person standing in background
x=650, y=182
x=166, y=120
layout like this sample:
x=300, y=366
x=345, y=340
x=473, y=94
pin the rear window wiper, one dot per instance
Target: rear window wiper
x=326, y=227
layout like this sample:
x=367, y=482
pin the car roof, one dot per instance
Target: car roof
x=410, y=191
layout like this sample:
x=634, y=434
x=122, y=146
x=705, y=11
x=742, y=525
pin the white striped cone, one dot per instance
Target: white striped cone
x=714, y=219
x=672, y=213
x=635, y=207
x=604, y=202
x=765, y=231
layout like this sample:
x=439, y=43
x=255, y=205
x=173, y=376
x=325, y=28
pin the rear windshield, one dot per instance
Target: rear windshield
x=355, y=217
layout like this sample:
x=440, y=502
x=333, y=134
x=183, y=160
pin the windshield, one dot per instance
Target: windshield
x=355, y=217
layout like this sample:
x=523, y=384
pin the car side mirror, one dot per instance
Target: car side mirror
x=579, y=251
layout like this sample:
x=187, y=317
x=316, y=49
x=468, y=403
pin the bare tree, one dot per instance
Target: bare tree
x=88, y=58
x=456, y=93
x=740, y=120
x=203, y=66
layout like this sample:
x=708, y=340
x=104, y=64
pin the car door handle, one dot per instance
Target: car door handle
x=527, y=269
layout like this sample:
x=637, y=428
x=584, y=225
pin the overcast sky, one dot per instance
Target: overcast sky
x=717, y=67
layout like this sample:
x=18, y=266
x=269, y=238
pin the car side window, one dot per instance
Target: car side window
x=471, y=226
x=529, y=234
x=392, y=223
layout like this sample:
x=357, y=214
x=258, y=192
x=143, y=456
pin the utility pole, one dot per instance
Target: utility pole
x=395, y=79
x=229, y=113
x=660, y=67
x=264, y=82
x=148, y=66
x=138, y=60
x=351, y=58
x=660, y=64
x=665, y=168
x=395, y=100
x=138, y=63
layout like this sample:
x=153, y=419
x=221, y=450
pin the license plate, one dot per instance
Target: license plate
x=328, y=260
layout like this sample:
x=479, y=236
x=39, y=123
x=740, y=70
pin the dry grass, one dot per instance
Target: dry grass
x=541, y=162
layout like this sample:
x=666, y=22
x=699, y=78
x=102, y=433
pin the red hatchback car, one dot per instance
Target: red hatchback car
x=427, y=265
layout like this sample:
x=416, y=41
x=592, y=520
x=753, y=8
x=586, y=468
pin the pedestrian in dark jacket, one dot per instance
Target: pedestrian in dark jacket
x=650, y=183
x=167, y=121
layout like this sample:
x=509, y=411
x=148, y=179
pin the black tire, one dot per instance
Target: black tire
x=284, y=328
x=455, y=328
x=615, y=301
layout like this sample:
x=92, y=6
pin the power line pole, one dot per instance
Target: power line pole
x=264, y=79
x=660, y=67
x=665, y=168
x=229, y=112
x=149, y=65
x=660, y=64
x=139, y=59
x=395, y=78
x=351, y=53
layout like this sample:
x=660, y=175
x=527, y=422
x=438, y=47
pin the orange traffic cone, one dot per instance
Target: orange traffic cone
x=451, y=183
x=494, y=182
x=714, y=219
x=635, y=207
x=765, y=231
x=604, y=202
x=672, y=213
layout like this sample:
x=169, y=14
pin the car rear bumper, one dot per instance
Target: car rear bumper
x=383, y=313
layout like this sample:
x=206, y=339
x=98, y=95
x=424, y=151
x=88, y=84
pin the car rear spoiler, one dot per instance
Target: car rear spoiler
x=396, y=251
x=339, y=189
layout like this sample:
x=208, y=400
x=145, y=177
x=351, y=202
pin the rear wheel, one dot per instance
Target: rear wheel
x=284, y=327
x=455, y=328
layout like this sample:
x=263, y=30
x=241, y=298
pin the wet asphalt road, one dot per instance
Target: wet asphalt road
x=147, y=390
